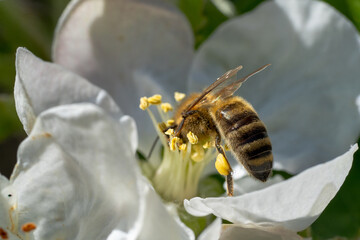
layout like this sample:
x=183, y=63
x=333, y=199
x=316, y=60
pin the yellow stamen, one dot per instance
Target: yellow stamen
x=170, y=122
x=170, y=132
x=193, y=139
x=208, y=145
x=166, y=107
x=179, y=96
x=198, y=154
x=183, y=147
x=222, y=165
x=154, y=100
x=173, y=143
x=144, y=103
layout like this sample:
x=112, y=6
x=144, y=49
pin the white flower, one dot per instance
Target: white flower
x=76, y=175
x=306, y=98
x=134, y=49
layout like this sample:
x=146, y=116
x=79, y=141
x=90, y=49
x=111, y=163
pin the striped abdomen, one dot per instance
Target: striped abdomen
x=246, y=136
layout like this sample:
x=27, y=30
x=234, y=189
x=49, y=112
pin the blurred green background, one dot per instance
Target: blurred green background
x=31, y=24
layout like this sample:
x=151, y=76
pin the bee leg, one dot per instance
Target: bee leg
x=229, y=179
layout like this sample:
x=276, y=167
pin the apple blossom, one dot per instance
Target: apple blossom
x=140, y=48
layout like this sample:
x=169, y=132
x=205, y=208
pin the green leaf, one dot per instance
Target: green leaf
x=211, y=186
x=342, y=215
x=21, y=26
x=213, y=18
x=197, y=224
x=243, y=6
x=7, y=70
x=9, y=122
x=282, y=173
x=193, y=10
x=203, y=16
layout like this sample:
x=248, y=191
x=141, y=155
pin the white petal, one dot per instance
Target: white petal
x=41, y=85
x=248, y=184
x=212, y=232
x=76, y=176
x=4, y=221
x=306, y=97
x=253, y=232
x=155, y=222
x=118, y=235
x=129, y=126
x=129, y=48
x=293, y=204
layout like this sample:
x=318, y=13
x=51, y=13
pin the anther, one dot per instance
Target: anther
x=166, y=107
x=170, y=132
x=179, y=96
x=173, y=143
x=3, y=234
x=144, y=103
x=154, y=100
x=28, y=227
x=208, y=145
x=170, y=122
x=222, y=165
x=183, y=147
x=193, y=139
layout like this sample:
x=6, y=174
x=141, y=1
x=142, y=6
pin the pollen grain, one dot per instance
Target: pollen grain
x=28, y=227
x=222, y=165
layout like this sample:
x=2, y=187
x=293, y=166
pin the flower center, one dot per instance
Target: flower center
x=183, y=160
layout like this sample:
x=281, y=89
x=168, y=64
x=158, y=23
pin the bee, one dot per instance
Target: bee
x=216, y=114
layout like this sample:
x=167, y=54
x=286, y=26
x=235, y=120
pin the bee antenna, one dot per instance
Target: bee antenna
x=152, y=147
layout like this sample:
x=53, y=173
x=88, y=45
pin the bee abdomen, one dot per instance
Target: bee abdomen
x=247, y=138
x=254, y=151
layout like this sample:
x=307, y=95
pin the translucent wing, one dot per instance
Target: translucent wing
x=225, y=86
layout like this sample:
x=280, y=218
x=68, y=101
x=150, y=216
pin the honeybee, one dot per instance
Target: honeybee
x=215, y=114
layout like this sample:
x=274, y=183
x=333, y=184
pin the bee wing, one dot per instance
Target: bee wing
x=228, y=87
x=215, y=85
x=224, y=86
